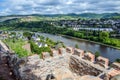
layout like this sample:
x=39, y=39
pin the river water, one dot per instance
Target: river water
x=105, y=51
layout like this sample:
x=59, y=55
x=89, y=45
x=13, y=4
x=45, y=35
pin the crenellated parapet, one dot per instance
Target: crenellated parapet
x=59, y=63
x=103, y=61
x=55, y=52
x=116, y=65
x=79, y=52
x=89, y=56
x=46, y=55
x=70, y=50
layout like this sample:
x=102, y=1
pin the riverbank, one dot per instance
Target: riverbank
x=90, y=41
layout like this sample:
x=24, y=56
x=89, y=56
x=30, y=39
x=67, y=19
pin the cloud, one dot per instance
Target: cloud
x=8, y=7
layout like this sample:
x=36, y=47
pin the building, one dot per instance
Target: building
x=40, y=44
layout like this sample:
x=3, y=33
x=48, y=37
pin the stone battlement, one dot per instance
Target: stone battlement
x=104, y=62
x=58, y=64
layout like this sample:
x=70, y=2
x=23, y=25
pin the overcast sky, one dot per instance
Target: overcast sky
x=8, y=7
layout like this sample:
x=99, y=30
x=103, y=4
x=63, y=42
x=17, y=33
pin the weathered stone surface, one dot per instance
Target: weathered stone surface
x=36, y=68
x=3, y=47
x=82, y=68
x=70, y=50
x=78, y=52
x=55, y=52
x=103, y=61
x=116, y=77
x=88, y=77
x=63, y=67
x=116, y=65
x=46, y=55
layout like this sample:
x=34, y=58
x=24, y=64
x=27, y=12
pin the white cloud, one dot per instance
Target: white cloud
x=58, y=6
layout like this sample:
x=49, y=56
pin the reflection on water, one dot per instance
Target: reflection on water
x=105, y=51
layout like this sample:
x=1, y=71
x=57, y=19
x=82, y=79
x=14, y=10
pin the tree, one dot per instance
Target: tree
x=104, y=36
x=118, y=60
x=13, y=33
x=97, y=54
x=28, y=35
x=76, y=46
x=38, y=50
x=13, y=40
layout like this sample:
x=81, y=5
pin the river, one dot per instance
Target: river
x=105, y=51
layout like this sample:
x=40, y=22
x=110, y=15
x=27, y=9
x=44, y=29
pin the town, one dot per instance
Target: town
x=109, y=24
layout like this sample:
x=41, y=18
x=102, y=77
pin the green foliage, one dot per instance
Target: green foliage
x=28, y=35
x=104, y=36
x=42, y=38
x=97, y=54
x=76, y=46
x=50, y=42
x=17, y=46
x=13, y=33
x=38, y=50
x=118, y=60
x=74, y=33
x=63, y=45
x=46, y=27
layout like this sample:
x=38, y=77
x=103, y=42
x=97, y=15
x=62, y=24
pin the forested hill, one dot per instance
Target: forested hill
x=37, y=21
x=63, y=16
x=51, y=25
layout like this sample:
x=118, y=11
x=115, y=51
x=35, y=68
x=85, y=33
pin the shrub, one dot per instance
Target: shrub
x=97, y=54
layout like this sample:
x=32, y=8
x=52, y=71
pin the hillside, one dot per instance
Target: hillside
x=54, y=17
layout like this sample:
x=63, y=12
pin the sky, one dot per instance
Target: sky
x=23, y=7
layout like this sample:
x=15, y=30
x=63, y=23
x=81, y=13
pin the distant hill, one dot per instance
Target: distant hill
x=83, y=15
x=36, y=17
x=94, y=15
x=110, y=15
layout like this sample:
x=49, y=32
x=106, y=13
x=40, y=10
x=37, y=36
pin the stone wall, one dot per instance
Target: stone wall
x=34, y=68
x=82, y=68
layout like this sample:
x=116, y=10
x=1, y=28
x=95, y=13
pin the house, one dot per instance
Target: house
x=1, y=32
x=3, y=36
x=35, y=38
x=40, y=44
